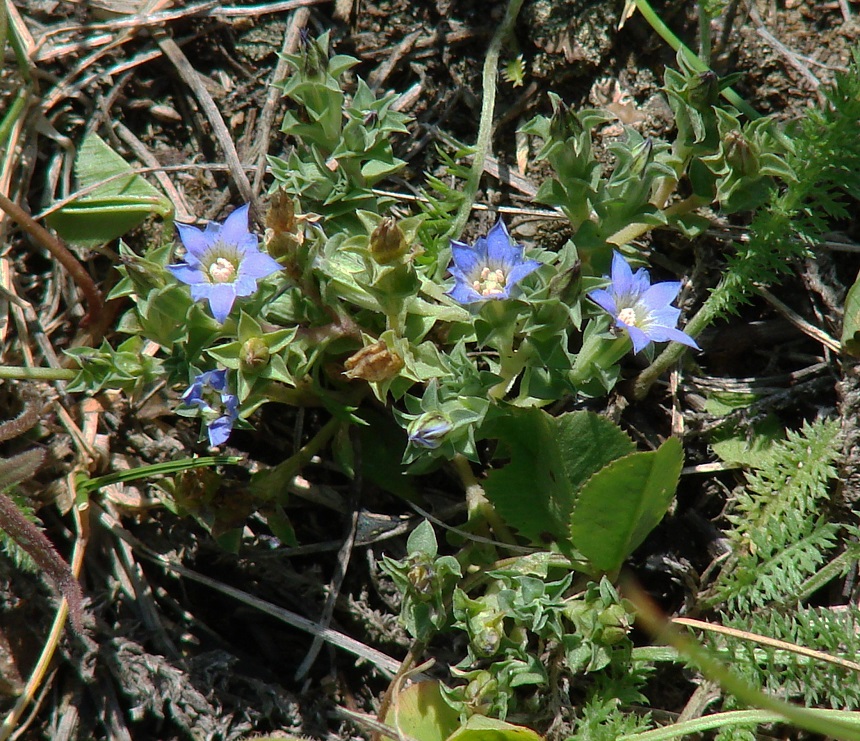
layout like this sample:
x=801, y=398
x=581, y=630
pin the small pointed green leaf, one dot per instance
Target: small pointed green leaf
x=120, y=201
x=623, y=502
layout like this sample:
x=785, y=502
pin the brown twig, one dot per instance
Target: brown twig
x=95, y=302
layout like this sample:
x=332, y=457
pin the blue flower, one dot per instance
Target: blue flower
x=204, y=392
x=222, y=262
x=645, y=311
x=490, y=269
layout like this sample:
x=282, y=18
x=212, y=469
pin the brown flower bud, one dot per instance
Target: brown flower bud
x=388, y=243
x=373, y=363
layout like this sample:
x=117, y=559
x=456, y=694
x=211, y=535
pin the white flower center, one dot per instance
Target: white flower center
x=491, y=283
x=222, y=270
x=628, y=316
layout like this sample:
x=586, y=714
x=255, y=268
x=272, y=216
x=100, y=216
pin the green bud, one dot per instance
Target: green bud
x=741, y=154
x=564, y=123
x=643, y=154
x=422, y=576
x=388, y=242
x=314, y=56
x=480, y=692
x=566, y=285
x=705, y=91
x=616, y=624
x=254, y=355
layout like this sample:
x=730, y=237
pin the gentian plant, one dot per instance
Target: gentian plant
x=348, y=307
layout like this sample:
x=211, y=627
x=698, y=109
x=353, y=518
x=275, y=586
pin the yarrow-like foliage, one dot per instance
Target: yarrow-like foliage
x=222, y=262
x=203, y=393
x=645, y=311
x=490, y=268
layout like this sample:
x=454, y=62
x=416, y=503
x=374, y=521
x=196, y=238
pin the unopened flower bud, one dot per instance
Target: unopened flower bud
x=705, y=92
x=373, y=363
x=429, y=430
x=422, y=577
x=314, y=56
x=741, y=154
x=642, y=156
x=388, y=242
x=616, y=622
x=564, y=123
x=480, y=692
x=254, y=355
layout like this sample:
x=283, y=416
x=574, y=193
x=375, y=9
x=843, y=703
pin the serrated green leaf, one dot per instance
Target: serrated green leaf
x=551, y=458
x=623, y=502
x=119, y=203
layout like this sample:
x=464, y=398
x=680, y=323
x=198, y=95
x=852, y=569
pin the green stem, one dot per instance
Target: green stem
x=11, y=116
x=20, y=373
x=479, y=507
x=704, y=34
x=665, y=33
x=485, y=128
x=729, y=719
x=672, y=354
x=634, y=231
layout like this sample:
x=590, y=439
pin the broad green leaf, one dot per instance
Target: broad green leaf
x=851, y=321
x=119, y=202
x=421, y=712
x=623, y=502
x=750, y=447
x=480, y=728
x=551, y=458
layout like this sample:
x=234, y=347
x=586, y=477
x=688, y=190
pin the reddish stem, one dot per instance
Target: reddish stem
x=59, y=252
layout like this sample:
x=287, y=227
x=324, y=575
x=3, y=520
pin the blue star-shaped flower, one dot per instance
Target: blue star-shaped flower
x=490, y=269
x=645, y=311
x=219, y=422
x=222, y=262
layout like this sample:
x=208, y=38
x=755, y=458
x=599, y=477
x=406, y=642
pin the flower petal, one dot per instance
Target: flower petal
x=605, y=300
x=187, y=274
x=219, y=430
x=669, y=334
x=640, y=339
x=234, y=231
x=193, y=239
x=258, y=265
x=463, y=293
x=520, y=271
x=467, y=261
x=500, y=252
x=221, y=298
x=661, y=295
x=217, y=379
x=622, y=275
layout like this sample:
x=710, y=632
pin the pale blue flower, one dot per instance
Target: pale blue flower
x=222, y=262
x=218, y=407
x=489, y=269
x=645, y=311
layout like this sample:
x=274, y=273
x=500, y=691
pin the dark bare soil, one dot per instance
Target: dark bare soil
x=168, y=654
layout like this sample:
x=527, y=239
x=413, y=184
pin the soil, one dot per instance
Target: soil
x=168, y=651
